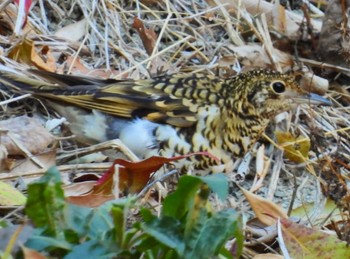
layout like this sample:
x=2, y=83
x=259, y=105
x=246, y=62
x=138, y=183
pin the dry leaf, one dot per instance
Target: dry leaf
x=49, y=64
x=74, y=31
x=32, y=254
x=133, y=177
x=10, y=196
x=148, y=36
x=295, y=149
x=266, y=211
x=256, y=56
x=44, y=160
x=22, y=52
x=25, y=52
x=78, y=67
x=77, y=189
x=304, y=242
x=293, y=19
x=25, y=131
x=329, y=213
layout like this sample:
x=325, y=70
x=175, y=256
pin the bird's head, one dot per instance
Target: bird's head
x=268, y=93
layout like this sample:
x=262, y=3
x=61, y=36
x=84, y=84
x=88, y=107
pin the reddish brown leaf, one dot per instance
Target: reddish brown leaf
x=90, y=200
x=133, y=177
x=148, y=36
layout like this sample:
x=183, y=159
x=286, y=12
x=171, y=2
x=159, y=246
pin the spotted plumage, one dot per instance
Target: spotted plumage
x=171, y=115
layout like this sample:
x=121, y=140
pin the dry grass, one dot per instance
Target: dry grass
x=213, y=36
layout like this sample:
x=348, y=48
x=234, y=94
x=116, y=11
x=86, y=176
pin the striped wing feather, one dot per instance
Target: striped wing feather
x=168, y=99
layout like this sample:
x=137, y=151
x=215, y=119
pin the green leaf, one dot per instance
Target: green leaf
x=217, y=183
x=78, y=219
x=146, y=214
x=167, y=231
x=197, y=215
x=69, y=231
x=41, y=242
x=213, y=235
x=93, y=249
x=100, y=221
x=119, y=223
x=178, y=203
x=46, y=202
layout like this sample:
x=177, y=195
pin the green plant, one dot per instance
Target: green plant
x=186, y=228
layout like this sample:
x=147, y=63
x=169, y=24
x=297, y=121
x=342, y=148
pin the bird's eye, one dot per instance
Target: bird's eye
x=278, y=87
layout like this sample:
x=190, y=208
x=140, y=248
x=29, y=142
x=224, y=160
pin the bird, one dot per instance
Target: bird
x=171, y=115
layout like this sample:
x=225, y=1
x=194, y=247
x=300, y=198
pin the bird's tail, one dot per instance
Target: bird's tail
x=19, y=84
x=47, y=82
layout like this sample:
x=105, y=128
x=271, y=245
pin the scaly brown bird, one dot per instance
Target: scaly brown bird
x=174, y=114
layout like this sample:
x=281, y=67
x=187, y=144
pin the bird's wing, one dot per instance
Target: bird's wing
x=171, y=99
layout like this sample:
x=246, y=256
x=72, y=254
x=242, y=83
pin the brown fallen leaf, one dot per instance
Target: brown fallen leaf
x=79, y=68
x=44, y=59
x=148, y=36
x=133, y=177
x=19, y=166
x=32, y=254
x=76, y=189
x=266, y=211
x=25, y=52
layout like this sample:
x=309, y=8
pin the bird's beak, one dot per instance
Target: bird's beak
x=313, y=99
